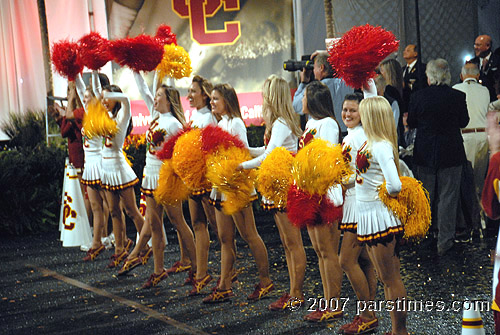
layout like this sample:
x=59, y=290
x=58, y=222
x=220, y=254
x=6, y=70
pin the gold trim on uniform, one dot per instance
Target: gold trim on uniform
x=91, y=182
x=349, y=226
x=120, y=187
x=381, y=236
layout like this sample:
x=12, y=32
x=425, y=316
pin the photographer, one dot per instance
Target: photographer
x=323, y=72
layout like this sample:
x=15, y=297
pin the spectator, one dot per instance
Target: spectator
x=323, y=71
x=487, y=62
x=438, y=112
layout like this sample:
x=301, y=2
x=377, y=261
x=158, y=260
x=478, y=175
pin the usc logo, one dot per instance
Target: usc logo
x=198, y=10
x=69, y=215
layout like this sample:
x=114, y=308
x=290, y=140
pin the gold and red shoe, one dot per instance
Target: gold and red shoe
x=155, y=279
x=129, y=244
x=260, y=291
x=146, y=255
x=200, y=284
x=218, y=296
x=325, y=315
x=116, y=259
x=129, y=264
x=178, y=267
x=286, y=301
x=93, y=253
x=360, y=326
x=234, y=278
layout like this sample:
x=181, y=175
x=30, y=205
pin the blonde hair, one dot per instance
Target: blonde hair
x=277, y=102
x=173, y=97
x=378, y=123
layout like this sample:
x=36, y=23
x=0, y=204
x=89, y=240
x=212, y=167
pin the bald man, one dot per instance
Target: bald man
x=487, y=62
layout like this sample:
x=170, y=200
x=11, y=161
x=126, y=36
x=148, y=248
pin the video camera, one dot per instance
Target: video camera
x=297, y=65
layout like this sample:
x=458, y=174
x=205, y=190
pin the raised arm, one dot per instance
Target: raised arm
x=126, y=114
x=80, y=87
x=145, y=93
x=96, y=84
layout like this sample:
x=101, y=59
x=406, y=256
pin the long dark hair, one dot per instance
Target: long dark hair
x=319, y=102
x=230, y=99
x=118, y=105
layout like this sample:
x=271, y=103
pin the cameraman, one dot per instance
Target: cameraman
x=323, y=71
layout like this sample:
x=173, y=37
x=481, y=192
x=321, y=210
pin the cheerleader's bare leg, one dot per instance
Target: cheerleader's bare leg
x=113, y=200
x=130, y=205
x=226, y=231
x=96, y=204
x=355, y=262
x=294, y=251
x=176, y=217
x=325, y=240
x=245, y=223
x=387, y=264
x=202, y=237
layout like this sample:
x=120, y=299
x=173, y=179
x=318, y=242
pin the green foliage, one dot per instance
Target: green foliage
x=27, y=130
x=255, y=135
x=31, y=182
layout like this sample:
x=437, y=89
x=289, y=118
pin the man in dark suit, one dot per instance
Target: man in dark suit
x=438, y=112
x=488, y=63
x=414, y=77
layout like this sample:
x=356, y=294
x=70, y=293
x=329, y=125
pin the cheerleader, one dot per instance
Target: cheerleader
x=377, y=161
x=167, y=120
x=225, y=103
x=283, y=126
x=325, y=236
x=91, y=176
x=354, y=258
x=117, y=177
x=200, y=209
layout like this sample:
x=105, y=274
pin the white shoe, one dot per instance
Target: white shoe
x=106, y=242
x=112, y=238
x=85, y=247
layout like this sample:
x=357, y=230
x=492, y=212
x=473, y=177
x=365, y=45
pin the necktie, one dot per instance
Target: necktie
x=485, y=63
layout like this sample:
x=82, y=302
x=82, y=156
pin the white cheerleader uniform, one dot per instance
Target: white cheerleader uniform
x=92, y=147
x=162, y=127
x=234, y=126
x=116, y=173
x=350, y=146
x=281, y=136
x=376, y=223
x=202, y=118
x=327, y=129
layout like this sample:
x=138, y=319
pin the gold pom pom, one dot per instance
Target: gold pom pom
x=318, y=166
x=188, y=160
x=275, y=176
x=237, y=186
x=171, y=189
x=97, y=122
x=411, y=207
x=175, y=63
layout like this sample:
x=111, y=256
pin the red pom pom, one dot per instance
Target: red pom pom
x=165, y=35
x=302, y=208
x=168, y=148
x=213, y=136
x=328, y=212
x=94, y=51
x=356, y=55
x=66, y=59
x=141, y=53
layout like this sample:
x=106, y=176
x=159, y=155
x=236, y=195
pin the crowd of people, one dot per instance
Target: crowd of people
x=409, y=111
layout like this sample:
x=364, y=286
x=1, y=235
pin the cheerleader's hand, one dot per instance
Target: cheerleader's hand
x=239, y=168
x=369, y=89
